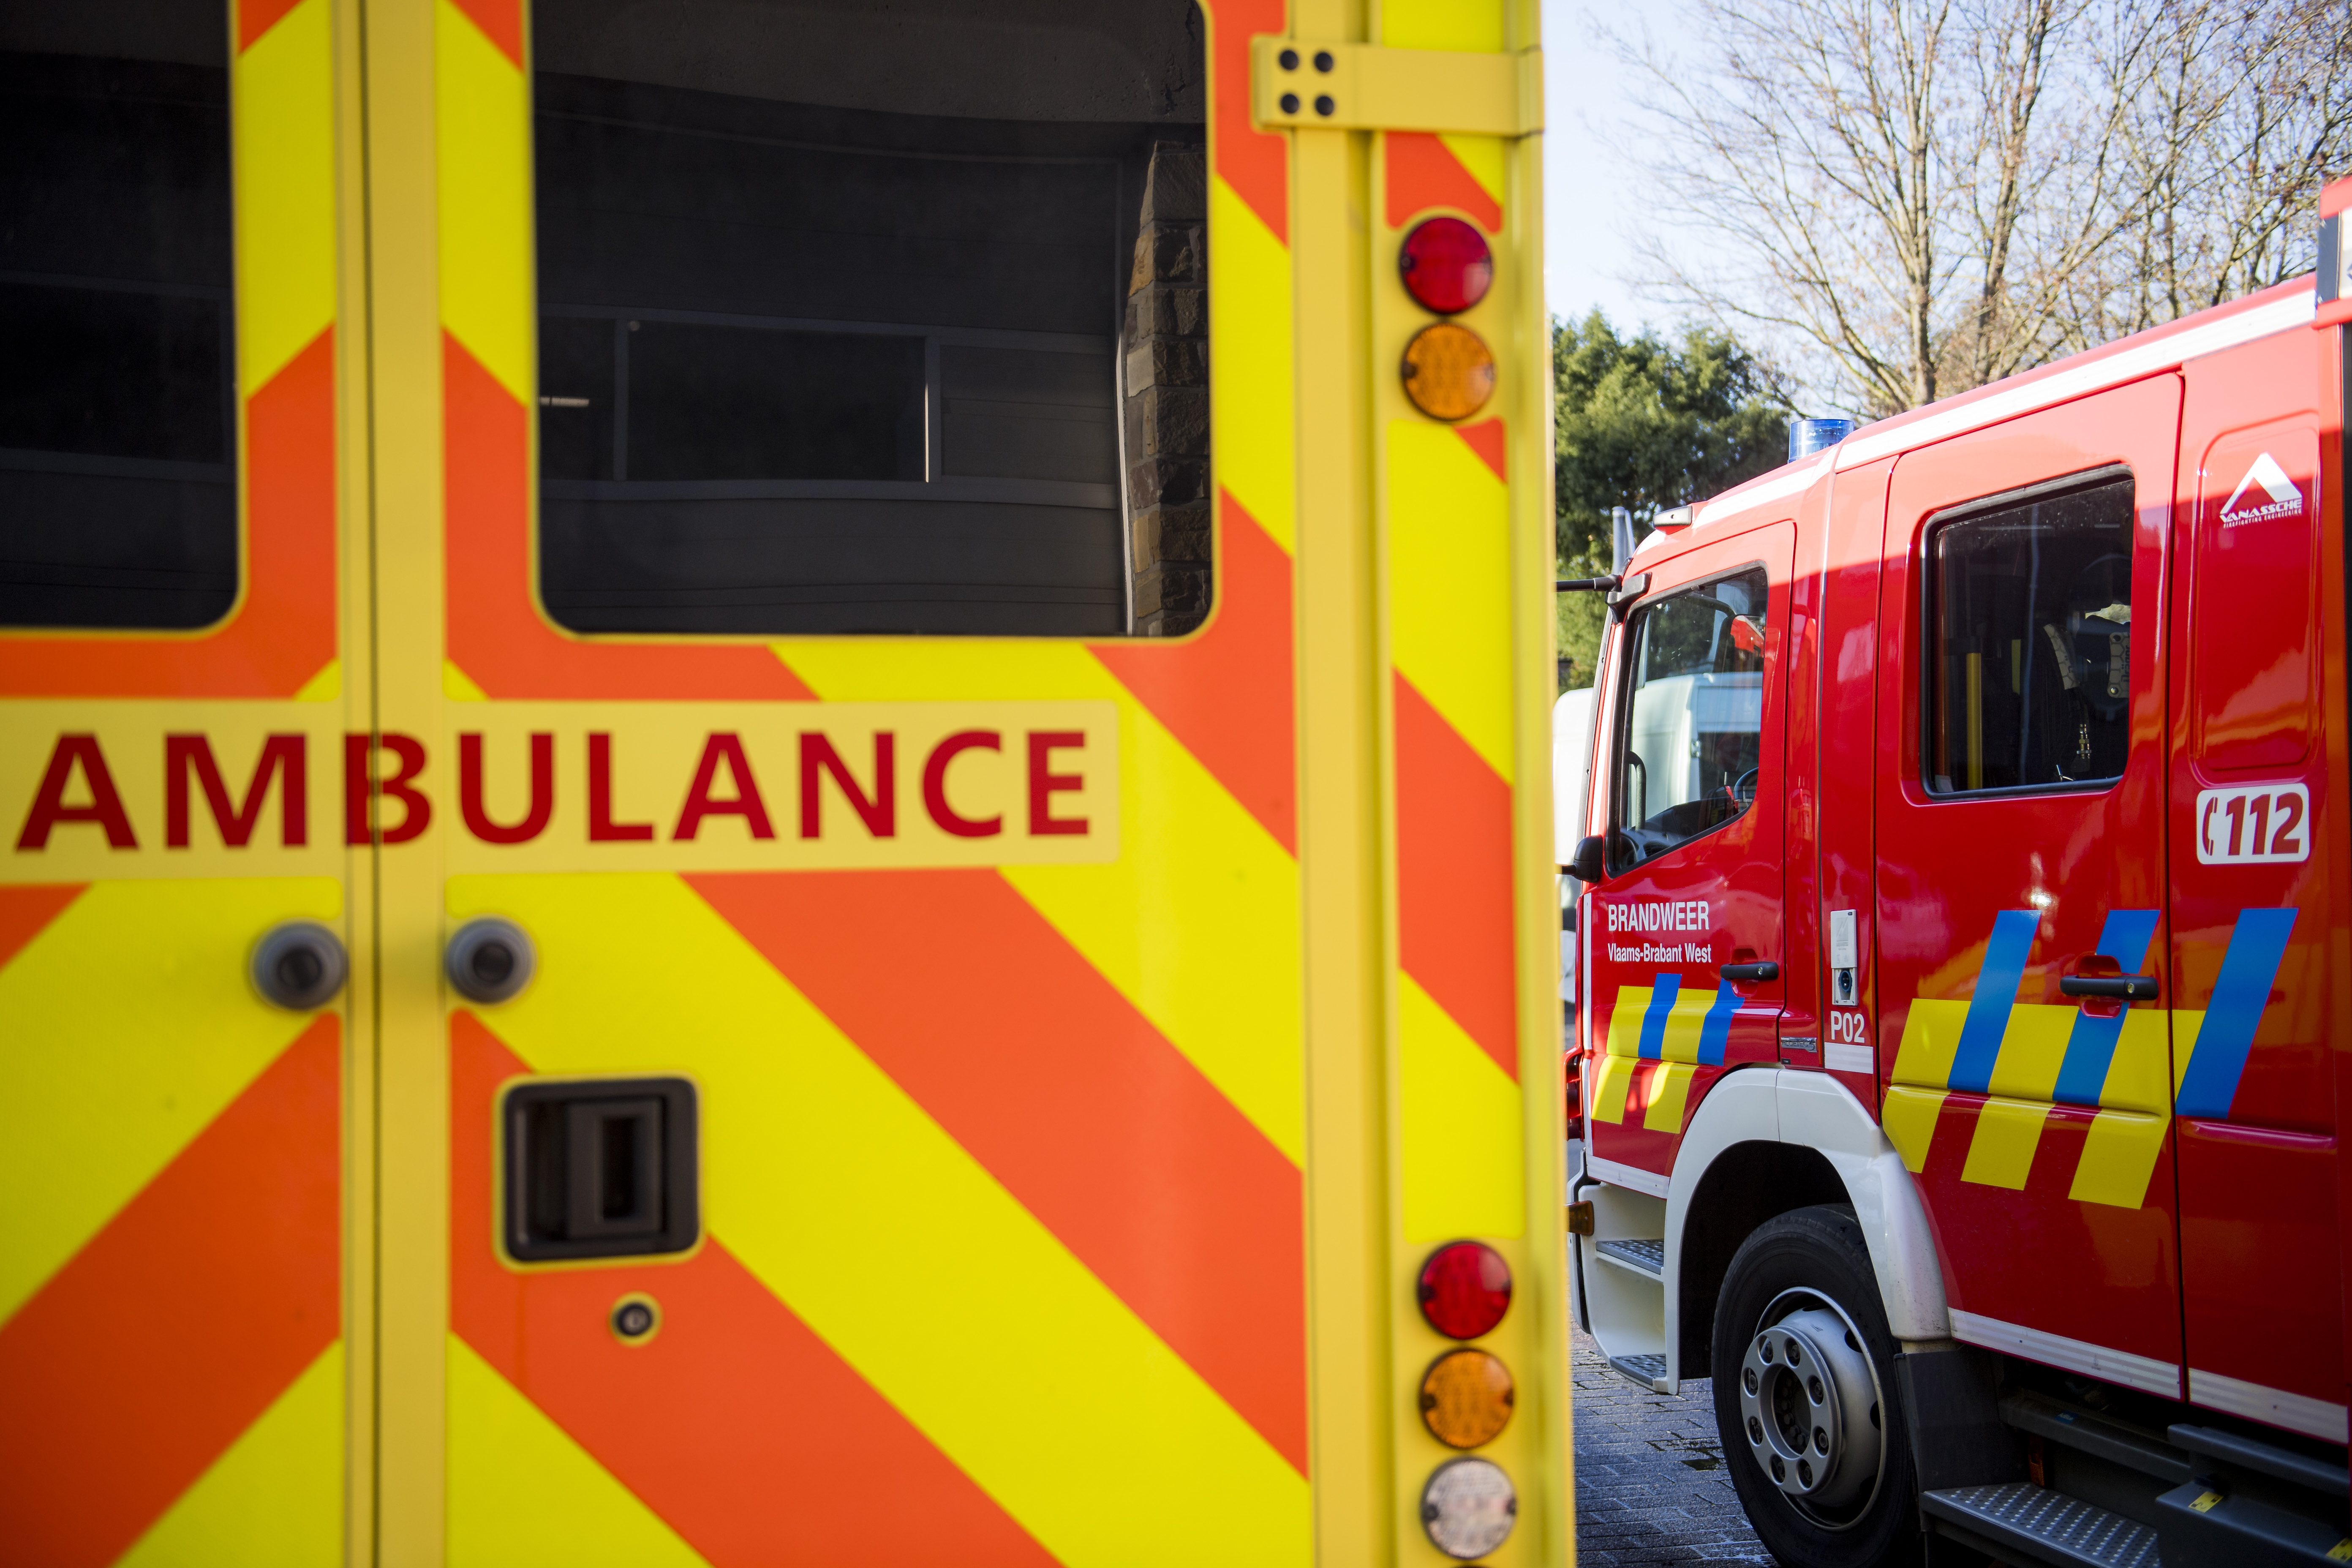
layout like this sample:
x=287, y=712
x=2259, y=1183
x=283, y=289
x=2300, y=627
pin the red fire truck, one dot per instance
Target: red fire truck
x=1963, y=932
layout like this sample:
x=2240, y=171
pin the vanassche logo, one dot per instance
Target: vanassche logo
x=2265, y=476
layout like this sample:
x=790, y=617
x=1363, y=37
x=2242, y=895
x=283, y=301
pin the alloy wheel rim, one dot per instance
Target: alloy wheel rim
x=1811, y=1409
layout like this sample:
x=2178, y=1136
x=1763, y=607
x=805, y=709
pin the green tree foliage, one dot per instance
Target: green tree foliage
x=1646, y=423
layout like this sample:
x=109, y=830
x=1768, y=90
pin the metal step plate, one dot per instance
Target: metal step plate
x=2051, y=1525
x=1647, y=1370
x=1642, y=1256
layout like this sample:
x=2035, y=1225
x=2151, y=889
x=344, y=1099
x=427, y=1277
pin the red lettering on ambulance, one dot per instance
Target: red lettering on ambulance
x=285, y=756
x=879, y=812
x=602, y=829
x=724, y=744
x=1044, y=783
x=355, y=789
x=542, y=791
x=416, y=811
x=935, y=784
x=49, y=808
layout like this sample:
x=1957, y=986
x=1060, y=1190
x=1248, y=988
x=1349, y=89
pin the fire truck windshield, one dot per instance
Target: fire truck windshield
x=1694, y=714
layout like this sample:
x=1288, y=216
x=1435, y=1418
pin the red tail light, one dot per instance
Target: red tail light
x=1466, y=1288
x=1446, y=265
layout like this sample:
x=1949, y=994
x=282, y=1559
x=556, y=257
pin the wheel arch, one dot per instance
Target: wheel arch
x=1765, y=1142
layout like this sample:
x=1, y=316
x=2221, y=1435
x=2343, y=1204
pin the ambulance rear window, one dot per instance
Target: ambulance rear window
x=118, y=454
x=879, y=319
x=2030, y=629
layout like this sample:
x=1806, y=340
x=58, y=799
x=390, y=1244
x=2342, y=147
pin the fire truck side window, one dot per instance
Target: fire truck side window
x=879, y=319
x=118, y=453
x=2030, y=619
x=1691, y=734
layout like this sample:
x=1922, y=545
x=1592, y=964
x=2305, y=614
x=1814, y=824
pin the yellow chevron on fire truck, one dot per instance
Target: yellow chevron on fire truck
x=1657, y=1037
x=2021, y=1064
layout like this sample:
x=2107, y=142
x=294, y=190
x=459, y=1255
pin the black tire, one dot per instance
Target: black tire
x=1806, y=1269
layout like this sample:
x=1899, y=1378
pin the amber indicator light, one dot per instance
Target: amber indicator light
x=1446, y=265
x=1466, y=1399
x=1449, y=371
x=1464, y=1290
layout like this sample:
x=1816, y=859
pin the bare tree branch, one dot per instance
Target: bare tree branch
x=1907, y=198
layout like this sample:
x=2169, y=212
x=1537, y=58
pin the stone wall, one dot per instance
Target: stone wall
x=1167, y=396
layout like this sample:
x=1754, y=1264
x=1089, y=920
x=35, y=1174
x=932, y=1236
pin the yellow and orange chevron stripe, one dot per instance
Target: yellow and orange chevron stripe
x=1452, y=689
x=170, y=1269
x=1005, y=1253
x=171, y=1253
x=949, y=1207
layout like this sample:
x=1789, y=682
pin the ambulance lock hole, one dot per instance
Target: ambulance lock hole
x=635, y=1317
x=600, y=1168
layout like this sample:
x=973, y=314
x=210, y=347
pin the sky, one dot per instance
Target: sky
x=1589, y=198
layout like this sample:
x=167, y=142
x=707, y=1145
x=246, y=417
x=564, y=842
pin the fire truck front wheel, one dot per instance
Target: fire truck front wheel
x=1805, y=1396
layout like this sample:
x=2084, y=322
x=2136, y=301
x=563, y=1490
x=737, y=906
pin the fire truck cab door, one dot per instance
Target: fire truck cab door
x=2251, y=986
x=2021, y=863
x=1696, y=706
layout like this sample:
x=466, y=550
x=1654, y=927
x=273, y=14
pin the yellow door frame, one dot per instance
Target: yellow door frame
x=409, y=1254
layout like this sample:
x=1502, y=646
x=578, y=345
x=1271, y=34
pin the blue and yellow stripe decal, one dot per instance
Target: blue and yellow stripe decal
x=1662, y=996
x=2026, y=1058
x=1659, y=1023
x=2091, y=1046
x=1658, y=1038
x=2225, y=1035
x=1998, y=975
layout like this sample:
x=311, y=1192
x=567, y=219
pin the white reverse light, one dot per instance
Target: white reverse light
x=1468, y=1508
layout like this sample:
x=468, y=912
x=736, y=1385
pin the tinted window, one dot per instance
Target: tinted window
x=1691, y=740
x=2029, y=618
x=836, y=311
x=117, y=496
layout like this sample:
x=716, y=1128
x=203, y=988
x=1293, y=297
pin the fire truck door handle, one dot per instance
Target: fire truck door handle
x=2110, y=987
x=1749, y=974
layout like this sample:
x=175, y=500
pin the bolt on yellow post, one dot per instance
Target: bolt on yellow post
x=777, y=778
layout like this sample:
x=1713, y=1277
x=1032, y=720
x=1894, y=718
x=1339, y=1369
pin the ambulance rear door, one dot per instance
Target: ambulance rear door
x=848, y=1088
x=848, y=1010
x=2021, y=889
x=181, y=908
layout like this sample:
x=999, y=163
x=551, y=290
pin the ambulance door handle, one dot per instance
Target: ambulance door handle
x=1751, y=973
x=489, y=960
x=299, y=965
x=2110, y=987
x=600, y=1167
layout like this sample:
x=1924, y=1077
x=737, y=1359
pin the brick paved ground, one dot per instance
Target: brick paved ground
x=1651, y=1488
